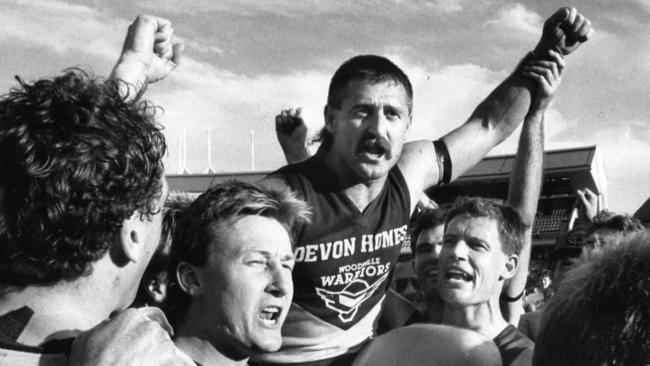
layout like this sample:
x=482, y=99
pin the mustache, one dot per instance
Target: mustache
x=370, y=140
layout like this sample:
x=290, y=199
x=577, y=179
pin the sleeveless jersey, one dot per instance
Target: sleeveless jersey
x=343, y=261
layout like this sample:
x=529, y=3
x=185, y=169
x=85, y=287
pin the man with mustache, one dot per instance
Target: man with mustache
x=362, y=183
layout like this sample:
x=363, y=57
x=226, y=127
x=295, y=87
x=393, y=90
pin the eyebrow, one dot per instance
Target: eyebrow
x=266, y=253
x=288, y=258
x=470, y=237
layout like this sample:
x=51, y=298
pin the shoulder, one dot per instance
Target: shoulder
x=514, y=346
x=412, y=345
x=511, y=337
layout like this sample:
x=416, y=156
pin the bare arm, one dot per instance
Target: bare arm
x=526, y=177
x=498, y=115
x=149, y=54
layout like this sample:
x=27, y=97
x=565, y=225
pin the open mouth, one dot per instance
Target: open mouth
x=270, y=315
x=458, y=275
x=432, y=273
x=373, y=148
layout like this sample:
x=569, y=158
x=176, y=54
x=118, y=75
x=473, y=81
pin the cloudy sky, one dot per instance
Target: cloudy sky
x=247, y=59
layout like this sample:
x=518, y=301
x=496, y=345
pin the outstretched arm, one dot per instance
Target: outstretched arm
x=498, y=115
x=149, y=54
x=526, y=177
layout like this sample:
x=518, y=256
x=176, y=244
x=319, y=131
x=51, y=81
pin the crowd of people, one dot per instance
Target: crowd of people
x=101, y=265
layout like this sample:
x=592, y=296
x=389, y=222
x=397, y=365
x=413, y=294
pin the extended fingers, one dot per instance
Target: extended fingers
x=558, y=59
x=539, y=77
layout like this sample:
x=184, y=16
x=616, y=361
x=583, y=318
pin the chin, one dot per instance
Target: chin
x=452, y=297
x=268, y=345
x=373, y=172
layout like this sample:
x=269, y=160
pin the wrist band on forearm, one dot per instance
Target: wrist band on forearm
x=444, y=162
x=507, y=298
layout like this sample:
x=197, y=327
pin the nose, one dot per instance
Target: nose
x=378, y=124
x=459, y=250
x=280, y=283
x=437, y=249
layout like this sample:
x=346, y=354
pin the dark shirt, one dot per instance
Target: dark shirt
x=515, y=347
x=529, y=324
x=343, y=261
x=12, y=324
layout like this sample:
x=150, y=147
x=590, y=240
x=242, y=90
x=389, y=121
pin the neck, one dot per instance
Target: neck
x=202, y=351
x=69, y=307
x=485, y=318
x=204, y=343
x=60, y=311
x=434, y=307
x=360, y=192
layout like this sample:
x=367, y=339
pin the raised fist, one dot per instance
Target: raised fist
x=150, y=52
x=589, y=203
x=291, y=132
x=563, y=32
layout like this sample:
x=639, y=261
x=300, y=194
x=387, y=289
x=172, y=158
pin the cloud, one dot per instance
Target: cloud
x=300, y=9
x=516, y=21
x=233, y=105
x=60, y=27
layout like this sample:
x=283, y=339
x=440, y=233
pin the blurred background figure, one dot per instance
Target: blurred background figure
x=600, y=314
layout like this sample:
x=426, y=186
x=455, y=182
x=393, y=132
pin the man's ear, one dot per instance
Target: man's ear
x=510, y=267
x=330, y=116
x=188, y=279
x=132, y=238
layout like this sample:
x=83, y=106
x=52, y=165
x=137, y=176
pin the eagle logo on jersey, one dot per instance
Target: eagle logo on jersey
x=347, y=301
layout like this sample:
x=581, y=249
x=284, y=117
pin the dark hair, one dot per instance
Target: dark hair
x=509, y=223
x=76, y=160
x=425, y=220
x=622, y=223
x=175, y=205
x=200, y=224
x=372, y=68
x=600, y=313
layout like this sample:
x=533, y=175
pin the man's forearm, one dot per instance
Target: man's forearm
x=491, y=122
x=526, y=176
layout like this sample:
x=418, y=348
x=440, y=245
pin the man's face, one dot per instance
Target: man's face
x=472, y=262
x=546, y=282
x=425, y=259
x=404, y=282
x=369, y=128
x=247, y=286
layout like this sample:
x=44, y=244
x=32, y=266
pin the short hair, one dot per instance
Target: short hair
x=510, y=226
x=77, y=158
x=364, y=67
x=221, y=205
x=175, y=205
x=622, y=223
x=600, y=314
x=425, y=220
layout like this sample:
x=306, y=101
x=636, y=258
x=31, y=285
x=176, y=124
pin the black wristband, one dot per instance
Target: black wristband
x=507, y=298
x=444, y=162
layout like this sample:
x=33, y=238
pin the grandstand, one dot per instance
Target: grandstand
x=643, y=213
